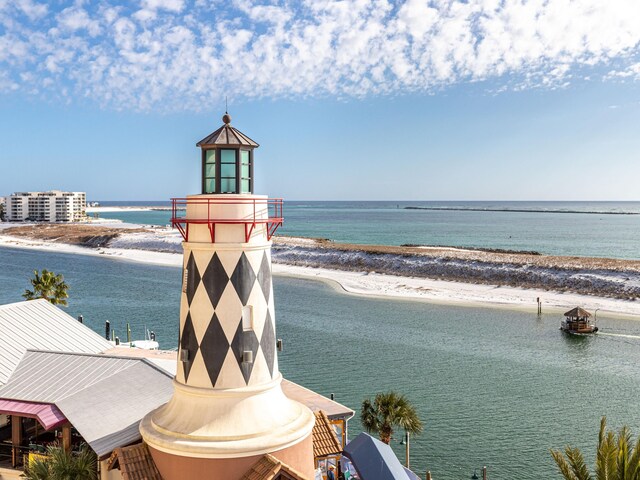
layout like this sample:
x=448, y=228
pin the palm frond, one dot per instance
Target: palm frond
x=563, y=466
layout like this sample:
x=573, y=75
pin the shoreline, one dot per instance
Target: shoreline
x=374, y=285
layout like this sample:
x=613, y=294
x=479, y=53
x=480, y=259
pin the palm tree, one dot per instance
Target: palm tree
x=61, y=465
x=617, y=458
x=49, y=286
x=388, y=411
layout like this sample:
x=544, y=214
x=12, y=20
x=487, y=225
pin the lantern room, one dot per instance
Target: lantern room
x=227, y=161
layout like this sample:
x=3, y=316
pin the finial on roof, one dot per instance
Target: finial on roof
x=226, y=118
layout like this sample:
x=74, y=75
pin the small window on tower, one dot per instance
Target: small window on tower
x=210, y=171
x=228, y=171
x=247, y=318
x=245, y=171
x=185, y=278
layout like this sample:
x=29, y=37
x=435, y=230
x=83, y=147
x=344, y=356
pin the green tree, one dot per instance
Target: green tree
x=60, y=465
x=1, y=212
x=617, y=457
x=49, y=286
x=388, y=411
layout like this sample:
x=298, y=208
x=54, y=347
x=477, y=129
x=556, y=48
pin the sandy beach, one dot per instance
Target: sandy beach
x=163, y=247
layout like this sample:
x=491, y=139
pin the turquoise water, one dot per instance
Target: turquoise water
x=494, y=387
x=591, y=229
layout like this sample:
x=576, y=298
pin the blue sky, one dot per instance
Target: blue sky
x=362, y=99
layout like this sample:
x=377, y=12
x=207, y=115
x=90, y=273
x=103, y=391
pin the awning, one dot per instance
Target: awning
x=46, y=413
x=373, y=459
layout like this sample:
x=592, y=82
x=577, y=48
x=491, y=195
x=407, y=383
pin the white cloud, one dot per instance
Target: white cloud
x=170, y=5
x=631, y=71
x=178, y=54
x=74, y=18
x=33, y=10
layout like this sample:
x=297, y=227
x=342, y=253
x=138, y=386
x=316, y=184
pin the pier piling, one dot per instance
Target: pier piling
x=539, y=305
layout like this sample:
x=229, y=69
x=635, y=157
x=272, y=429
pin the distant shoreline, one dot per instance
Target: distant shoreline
x=433, y=274
x=523, y=210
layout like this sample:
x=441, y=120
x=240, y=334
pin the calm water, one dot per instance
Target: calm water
x=494, y=387
x=593, y=229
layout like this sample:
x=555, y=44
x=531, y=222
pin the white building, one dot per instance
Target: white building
x=53, y=206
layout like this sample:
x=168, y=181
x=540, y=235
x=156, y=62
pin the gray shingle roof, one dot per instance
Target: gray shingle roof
x=38, y=325
x=103, y=397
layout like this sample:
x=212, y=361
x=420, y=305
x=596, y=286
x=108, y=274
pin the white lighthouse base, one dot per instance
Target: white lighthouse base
x=224, y=424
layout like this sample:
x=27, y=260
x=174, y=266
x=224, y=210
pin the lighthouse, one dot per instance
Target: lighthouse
x=228, y=409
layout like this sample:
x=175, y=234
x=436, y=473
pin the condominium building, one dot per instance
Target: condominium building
x=53, y=206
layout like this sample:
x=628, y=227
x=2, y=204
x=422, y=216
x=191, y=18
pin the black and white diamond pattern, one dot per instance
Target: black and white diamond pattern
x=264, y=276
x=215, y=280
x=268, y=343
x=214, y=348
x=192, y=278
x=213, y=331
x=188, y=342
x=243, y=278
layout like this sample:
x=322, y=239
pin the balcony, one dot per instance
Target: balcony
x=221, y=210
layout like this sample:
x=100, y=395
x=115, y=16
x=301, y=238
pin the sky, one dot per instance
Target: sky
x=349, y=100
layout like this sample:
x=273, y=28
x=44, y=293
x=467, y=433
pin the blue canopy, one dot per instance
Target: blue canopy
x=373, y=459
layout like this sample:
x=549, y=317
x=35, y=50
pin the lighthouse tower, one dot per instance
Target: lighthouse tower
x=227, y=409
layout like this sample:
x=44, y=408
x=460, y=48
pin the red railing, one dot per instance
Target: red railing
x=180, y=221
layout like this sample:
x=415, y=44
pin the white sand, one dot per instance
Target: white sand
x=373, y=284
x=123, y=209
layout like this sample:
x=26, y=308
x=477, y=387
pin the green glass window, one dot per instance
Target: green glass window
x=228, y=182
x=228, y=185
x=227, y=156
x=210, y=171
x=245, y=171
x=228, y=170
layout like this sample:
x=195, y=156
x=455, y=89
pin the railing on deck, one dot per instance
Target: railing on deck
x=272, y=221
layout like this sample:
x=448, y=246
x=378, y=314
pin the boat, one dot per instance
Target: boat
x=577, y=322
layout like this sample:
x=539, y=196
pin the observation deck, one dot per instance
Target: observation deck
x=215, y=210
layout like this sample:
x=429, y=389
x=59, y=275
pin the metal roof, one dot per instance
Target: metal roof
x=38, y=325
x=103, y=397
x=168, y=360
x=315, y=401
x=373, y=459
x=226, y=135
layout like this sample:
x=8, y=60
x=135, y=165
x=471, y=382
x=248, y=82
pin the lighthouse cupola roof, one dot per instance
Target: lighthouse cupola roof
x=227, y=161
x=226, y=135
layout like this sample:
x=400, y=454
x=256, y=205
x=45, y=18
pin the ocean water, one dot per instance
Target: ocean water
x=494, y=387
x=590, y=229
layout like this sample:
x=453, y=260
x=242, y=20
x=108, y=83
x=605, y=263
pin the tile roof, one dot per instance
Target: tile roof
x=135, y=463
x=325, y=440
x=269, y=468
